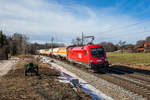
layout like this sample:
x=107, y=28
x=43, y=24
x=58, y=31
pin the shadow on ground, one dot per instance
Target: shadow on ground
x=119, y=69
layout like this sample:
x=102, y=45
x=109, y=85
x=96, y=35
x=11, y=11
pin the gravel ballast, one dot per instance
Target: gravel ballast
x=107, y=88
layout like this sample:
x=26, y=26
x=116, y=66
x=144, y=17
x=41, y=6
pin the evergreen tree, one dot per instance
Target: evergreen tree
x=1, y=38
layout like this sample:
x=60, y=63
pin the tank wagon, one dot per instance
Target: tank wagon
x=91, y=56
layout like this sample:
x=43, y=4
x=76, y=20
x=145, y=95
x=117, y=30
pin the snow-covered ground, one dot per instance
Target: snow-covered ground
x=67, y=76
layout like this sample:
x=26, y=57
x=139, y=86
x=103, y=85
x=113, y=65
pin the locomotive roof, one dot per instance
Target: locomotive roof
x=86, y=46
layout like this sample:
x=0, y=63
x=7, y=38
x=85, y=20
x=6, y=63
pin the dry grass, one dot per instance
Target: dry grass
x=136, y=60
x=16, y=86
x=26, y=56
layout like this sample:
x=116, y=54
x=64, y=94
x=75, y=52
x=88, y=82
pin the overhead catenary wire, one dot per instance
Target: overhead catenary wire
x=125, y=26
x=125, y=35
x=124, y=31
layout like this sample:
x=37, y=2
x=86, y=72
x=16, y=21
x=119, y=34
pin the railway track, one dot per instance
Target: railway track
x=136, y=76
x=119, y=79
x=128, y=84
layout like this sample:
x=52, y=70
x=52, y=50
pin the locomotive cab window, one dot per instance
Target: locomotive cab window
x=97, y=52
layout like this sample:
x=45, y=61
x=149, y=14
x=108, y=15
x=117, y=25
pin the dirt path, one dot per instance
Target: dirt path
x=5, y=66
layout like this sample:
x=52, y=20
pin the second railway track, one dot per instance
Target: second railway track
x=120, y=80
x=128, y=84
x=145, y=79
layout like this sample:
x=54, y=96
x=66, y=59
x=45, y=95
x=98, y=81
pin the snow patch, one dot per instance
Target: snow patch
x=69, y=77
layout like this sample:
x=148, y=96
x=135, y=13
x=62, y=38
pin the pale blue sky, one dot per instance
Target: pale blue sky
x=107, y=20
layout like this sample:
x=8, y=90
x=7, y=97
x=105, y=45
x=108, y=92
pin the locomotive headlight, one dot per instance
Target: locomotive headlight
x=91, y=60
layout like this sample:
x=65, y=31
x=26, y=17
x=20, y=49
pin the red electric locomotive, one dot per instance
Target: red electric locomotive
x=92, y=56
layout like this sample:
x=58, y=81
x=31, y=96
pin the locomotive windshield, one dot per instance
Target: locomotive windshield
x=97, y=52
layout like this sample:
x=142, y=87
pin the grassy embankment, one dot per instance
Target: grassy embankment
x=136, y=59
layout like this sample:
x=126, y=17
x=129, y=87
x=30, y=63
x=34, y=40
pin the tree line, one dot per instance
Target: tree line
x=120, y=46
x=124, y=46
x=18, y=44
x=3, y=46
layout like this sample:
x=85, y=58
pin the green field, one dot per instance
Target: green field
x=129, y=58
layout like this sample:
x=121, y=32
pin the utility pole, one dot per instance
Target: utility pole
x=82, y=39
x=52, y=39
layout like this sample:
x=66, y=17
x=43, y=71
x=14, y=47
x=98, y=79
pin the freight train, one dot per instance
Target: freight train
x=91, y=56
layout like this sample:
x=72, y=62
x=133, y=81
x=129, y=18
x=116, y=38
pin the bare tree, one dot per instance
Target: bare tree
x=18, y=44
x=140, y=43
x=78, y=40
x=148, y=39
x=121, y=45
x=109, y=47
x=73, y=42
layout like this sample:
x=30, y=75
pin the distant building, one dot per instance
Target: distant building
x=147, y=47
x=140, y=49
x=144, y=48
x=146, y=44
